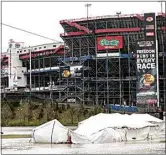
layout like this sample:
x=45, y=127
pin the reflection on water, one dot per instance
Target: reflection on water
x=22, y=146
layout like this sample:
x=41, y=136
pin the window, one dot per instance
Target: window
x=17, y=51
x=19, y=77
x=44, y=46
x=20, y=51
x=39, y=47
x=54, y=45
x=24, y=50
x=35, y=48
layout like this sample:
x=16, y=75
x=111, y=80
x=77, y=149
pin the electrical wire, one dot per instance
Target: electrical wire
x=30, y=32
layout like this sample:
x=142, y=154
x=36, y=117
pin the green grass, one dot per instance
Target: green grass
x=15, y=136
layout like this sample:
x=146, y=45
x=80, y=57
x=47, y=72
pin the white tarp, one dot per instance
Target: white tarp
x=101, y=121
x=50, y=132
x=106, y=135
x=106, y=128
x=102, y=128
x=146, y=118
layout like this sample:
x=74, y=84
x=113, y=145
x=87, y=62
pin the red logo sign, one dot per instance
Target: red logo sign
x=150, y=34
x=149, y=19
x=152, y=101
x=109, y=42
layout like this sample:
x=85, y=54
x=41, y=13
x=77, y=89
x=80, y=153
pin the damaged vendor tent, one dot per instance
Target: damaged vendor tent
x=106, y=128
x=103, y=128
x=50, y=132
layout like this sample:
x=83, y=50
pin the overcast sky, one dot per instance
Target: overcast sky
x=43, y=17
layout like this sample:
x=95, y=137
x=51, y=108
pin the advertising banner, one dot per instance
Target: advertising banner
x=147, y=81
x=101, y=55
x=146, y=72
x=109, y=42
x=150, y=25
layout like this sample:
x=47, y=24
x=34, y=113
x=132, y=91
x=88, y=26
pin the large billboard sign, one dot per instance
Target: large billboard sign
x=146, y=73
x=109, y=42
x=147, y=82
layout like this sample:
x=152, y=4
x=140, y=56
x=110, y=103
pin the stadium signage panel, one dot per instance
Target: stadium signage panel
x=65, y=72
x=149, y=27
x=109, y=55
x=72, y=100
x=109, y=42
x=150, y=34
x=147, y=63
x=145, y=43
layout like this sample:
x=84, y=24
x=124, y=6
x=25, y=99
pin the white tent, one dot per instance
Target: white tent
x=102, y=128
x=146, y=118
x=106, y=135
x=105, y=128
x=50, y=132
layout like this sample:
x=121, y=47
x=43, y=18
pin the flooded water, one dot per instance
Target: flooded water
x=24, y=146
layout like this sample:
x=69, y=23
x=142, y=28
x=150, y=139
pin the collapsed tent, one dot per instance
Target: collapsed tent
x=102, y=128
x=106, y=128
x=50, y=132
x=106, y=135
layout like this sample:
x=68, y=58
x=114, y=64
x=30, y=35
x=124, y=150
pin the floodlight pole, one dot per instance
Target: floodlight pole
x=120, y=86
x=88, y=5
x=161, y=7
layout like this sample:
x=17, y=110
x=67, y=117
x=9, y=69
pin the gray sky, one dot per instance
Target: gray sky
x=43, y=17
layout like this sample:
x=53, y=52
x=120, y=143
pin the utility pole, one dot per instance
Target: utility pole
x=51, y=84
x=30, y=84
x=30, y=68
x=87, y=6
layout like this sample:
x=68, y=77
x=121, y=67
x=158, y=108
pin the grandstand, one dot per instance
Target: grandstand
x=94, y=75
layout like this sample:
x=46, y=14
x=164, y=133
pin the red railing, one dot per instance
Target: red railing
x=102, y=31
x=78, y=26
x=100, y=17
x=59, y=50
x=60, y=47
x=117, y=30
x=139, y=17
x=164, y=28
x=164, y=14
x=73, y=33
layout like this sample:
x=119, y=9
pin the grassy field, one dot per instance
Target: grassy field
x=36, y=114
x=15, y=136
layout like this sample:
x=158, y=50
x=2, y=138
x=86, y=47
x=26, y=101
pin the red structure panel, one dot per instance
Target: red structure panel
x=117, y=30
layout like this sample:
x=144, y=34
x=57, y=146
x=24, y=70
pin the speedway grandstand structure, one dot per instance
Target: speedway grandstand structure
x=96, y=77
